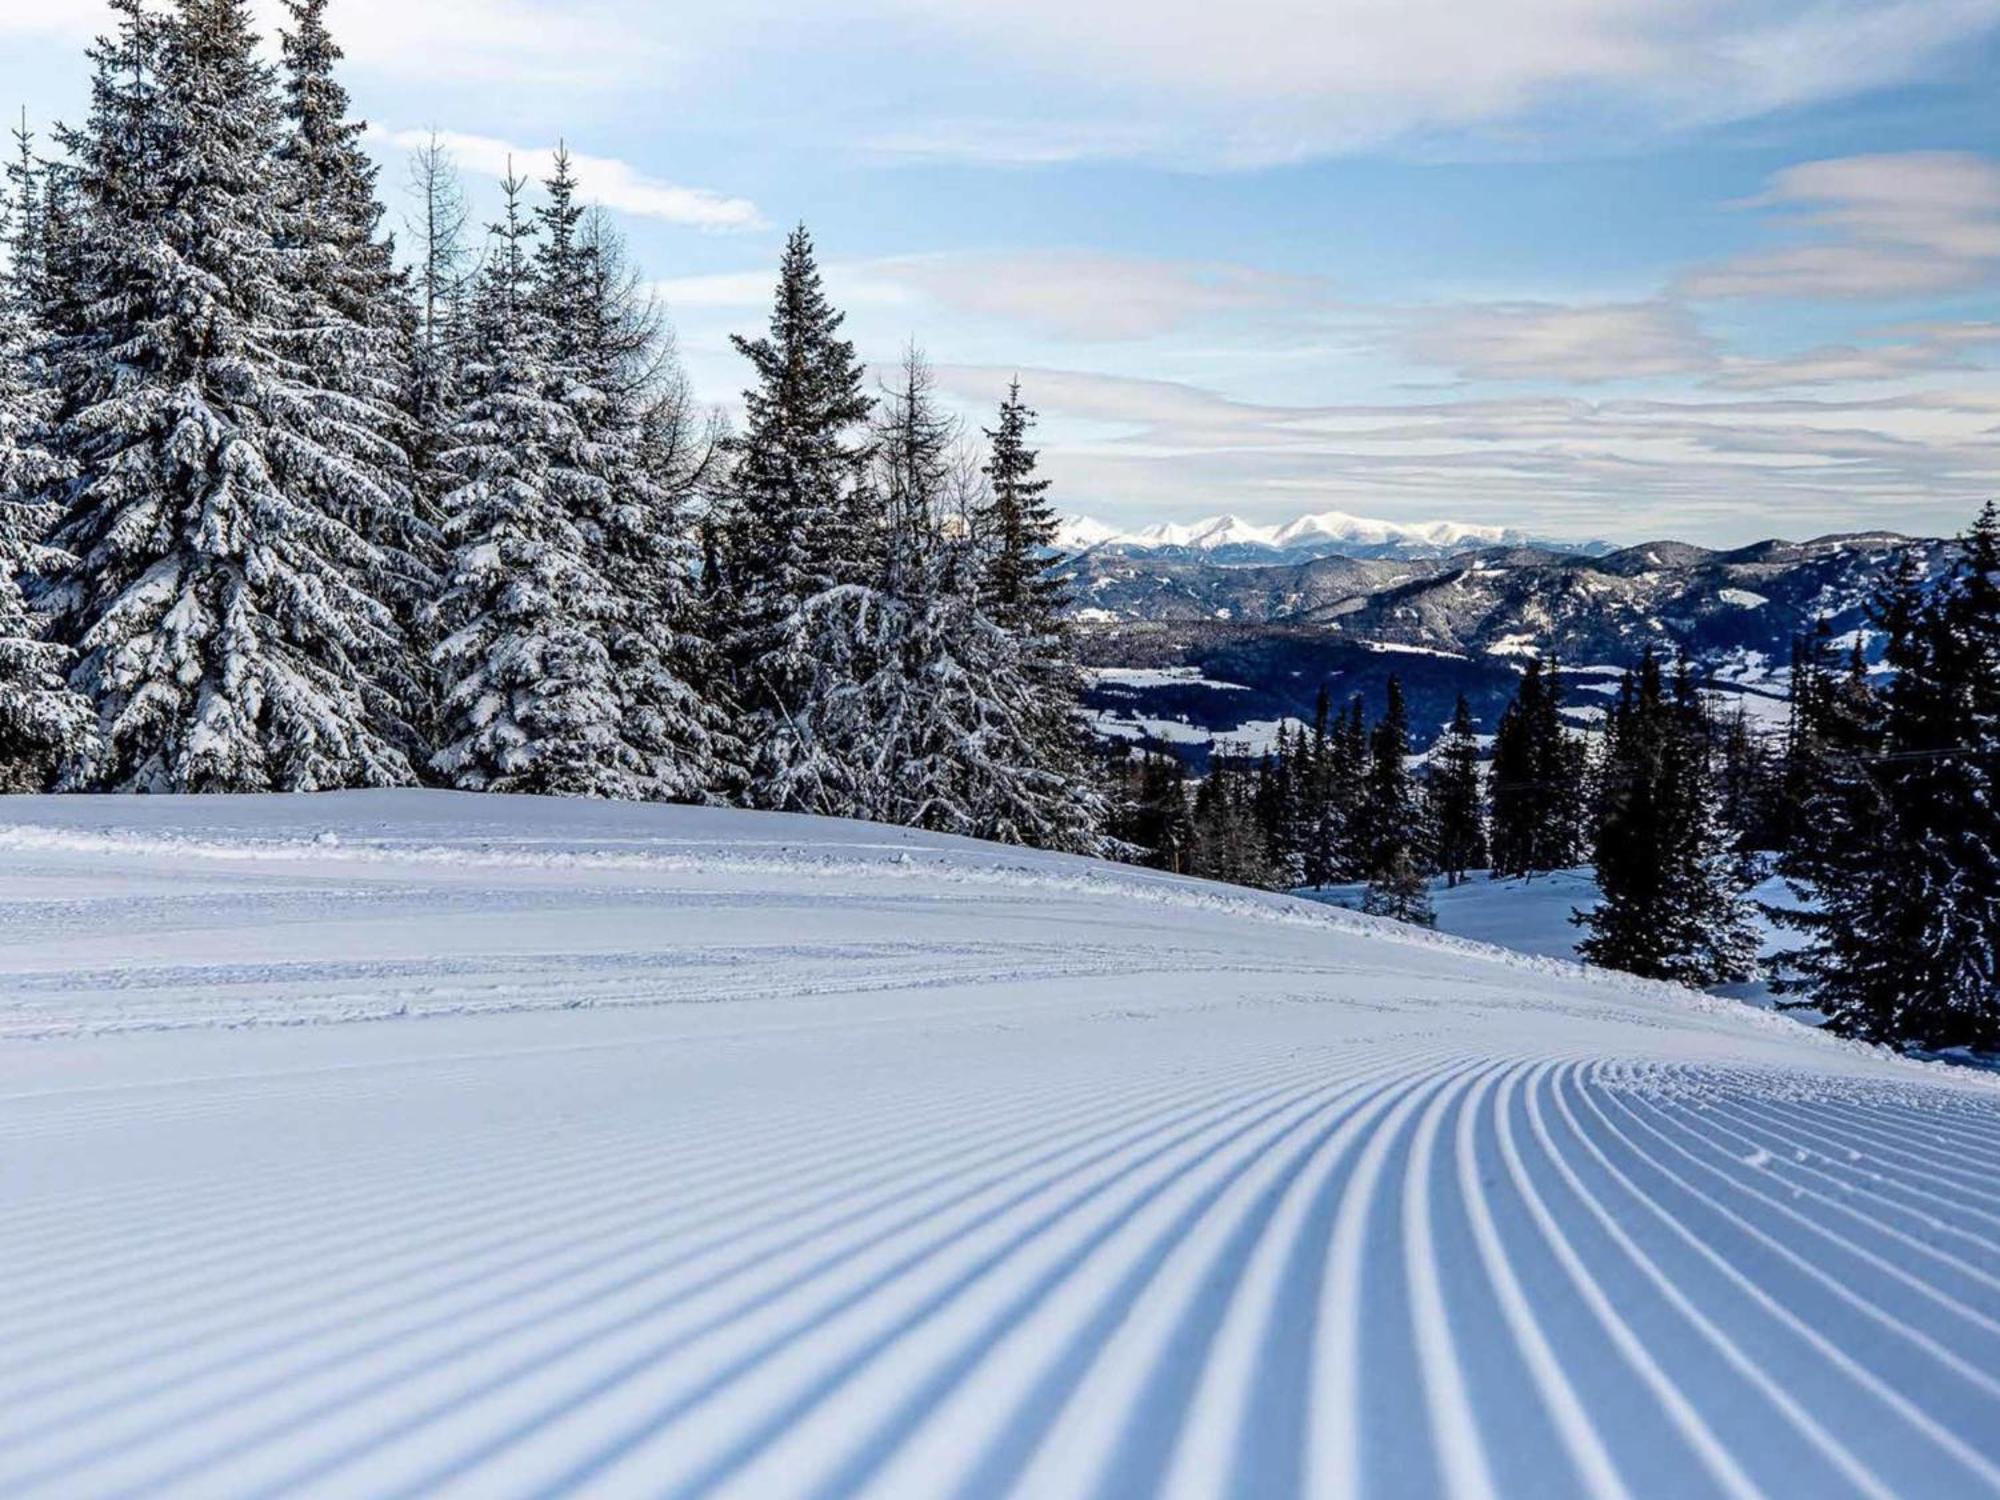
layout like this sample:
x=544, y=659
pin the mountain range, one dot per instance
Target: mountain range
x=1231, y=541
x=1189, y=649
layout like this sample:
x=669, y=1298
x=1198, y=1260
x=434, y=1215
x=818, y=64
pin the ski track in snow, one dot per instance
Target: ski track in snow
x=411, y=1145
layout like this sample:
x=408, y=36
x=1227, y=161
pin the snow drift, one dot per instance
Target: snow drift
x=414, y=1144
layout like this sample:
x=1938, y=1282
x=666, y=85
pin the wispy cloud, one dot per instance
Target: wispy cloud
x=1889, y=225
x=1719, y=467
x=1585, y=343
x=1263, y=81
x=614, y=184
x=577, y=42
x=1067, y=295
x=1912, y=349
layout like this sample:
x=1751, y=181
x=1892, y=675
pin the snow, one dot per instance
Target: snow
x=423, y=1144
x=1742, y=598
x=1157, y=677
x=1252, y=737
x=1080, y=533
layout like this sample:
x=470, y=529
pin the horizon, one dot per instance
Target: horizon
x=1621, y=276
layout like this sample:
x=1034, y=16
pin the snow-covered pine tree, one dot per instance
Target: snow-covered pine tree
x=227, y=620
x=1671, y=906
x=801, y=553
x=956, y=707
x=531, y=701
x=442, y=282
x=643, y=455
x=349, y=338
x=1395, y=822
x=1458, y=799
x=46, y=729
x=621, y=475
x=1048, y=800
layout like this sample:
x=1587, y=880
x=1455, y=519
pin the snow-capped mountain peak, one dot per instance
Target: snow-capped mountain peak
x=1230, y=538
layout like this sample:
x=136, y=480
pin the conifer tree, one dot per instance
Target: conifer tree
x=224, y=609
x=1395, y=822
x=624, y=469
x=1014, y=528
x=45, y=728
x=531, y=702
x=349, y=335
x=960, y=737
x=1671, y=907
x=442, y=286
x=801, y=550
x=1227, y=844
x=1904, y=936
x=1148, y=811
x=1458, y=799
x=1538, y=781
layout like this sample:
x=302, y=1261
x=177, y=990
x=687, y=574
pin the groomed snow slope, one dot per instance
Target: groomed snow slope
x=715, y=1154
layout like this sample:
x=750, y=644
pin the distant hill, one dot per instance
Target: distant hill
x=1275, y=634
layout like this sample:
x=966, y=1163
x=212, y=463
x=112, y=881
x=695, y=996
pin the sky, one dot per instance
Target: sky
x=1716, y=270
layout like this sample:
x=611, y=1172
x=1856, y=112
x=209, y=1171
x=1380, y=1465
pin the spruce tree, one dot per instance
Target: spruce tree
x=624, y=470
x=1458, y=799
x=1395, y=822
x=957, y=731
x=1538, y=791
x=1904, y=901
x=1671, y=904
x=225, y=610
x=46, y=729
x=801, y=551
x=531, y=701
x=349, y=339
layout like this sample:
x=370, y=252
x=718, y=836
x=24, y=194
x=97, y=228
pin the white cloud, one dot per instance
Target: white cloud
x=1258, y=81
x=552, y=41
x=1584, y=343
x=1062, y=294
x=614, y=184
x=1912, y=349
x=1890, y=225
x=1142, y=450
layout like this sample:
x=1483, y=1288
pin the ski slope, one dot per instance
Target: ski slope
x=406, y=1144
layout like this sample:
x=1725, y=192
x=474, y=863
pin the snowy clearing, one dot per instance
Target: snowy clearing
x=416, y=1144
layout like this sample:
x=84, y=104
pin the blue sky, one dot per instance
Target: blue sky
x=1589, y=267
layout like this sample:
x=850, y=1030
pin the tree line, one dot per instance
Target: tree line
x=282, y=509
x=1879, y=808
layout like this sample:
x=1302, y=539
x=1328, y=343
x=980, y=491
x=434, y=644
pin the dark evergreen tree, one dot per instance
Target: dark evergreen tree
x=1148, y=810
x=1395, y=822
x=1227, y=842
x=1903, y=879
x=1671, y=905
x=1538, y=781
x=1458, y=799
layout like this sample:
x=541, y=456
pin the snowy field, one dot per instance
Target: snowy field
x=421, y=1145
